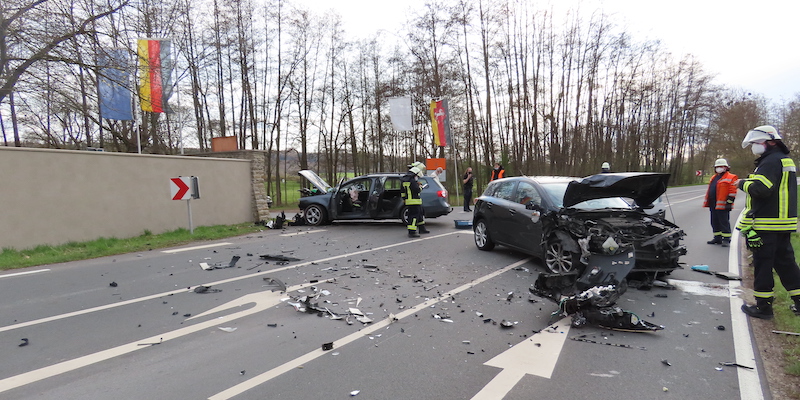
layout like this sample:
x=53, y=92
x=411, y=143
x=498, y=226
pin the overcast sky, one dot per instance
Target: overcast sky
x=749, y=45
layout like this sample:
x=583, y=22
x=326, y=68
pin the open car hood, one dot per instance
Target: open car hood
x=315, y=180
x=643, y=187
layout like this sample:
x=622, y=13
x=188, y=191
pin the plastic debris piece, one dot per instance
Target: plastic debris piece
x=661, y=295
x=274, y=257
x=356, y=311
x=274, y=284
x=733, y=364
x=327, y=346
x=24, y=342
x=665, y=389
x=206, y=289
x=272, y=325
x=787, y=333
x=720, y=327
x=666, y=362
x=719, y=368
x=363, y=319
x=227, y=328
x=205, y=266
x=506, y=324
x=113, y=284
x=354, y=393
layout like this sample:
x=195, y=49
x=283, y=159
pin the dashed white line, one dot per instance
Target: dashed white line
x=205, y=246
x=24, y=273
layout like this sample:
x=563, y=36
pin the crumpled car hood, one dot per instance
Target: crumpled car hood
x=315, y=180
x=642, y=187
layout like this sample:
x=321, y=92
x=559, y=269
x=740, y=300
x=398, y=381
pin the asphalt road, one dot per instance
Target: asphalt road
x=436, y=305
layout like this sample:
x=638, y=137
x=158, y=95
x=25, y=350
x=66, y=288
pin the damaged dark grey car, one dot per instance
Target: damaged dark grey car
x=565, y=220
x=372, y=196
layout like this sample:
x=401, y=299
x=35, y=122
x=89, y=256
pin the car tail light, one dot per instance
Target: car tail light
x=442, y=193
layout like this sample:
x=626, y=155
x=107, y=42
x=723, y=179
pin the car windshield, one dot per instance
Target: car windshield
x=556, y=190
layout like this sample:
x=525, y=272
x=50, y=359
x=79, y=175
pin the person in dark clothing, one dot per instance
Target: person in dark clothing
x=411, y=195
x=498, y=172
x=719, y=199
x=770, y=217
x=468, y=181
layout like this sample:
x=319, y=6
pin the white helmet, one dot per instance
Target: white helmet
x=721, y=162
x=605, y=166
x=417, y=171
x=759, y=134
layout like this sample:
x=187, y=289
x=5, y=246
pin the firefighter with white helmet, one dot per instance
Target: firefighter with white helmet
x=412, y=196
x=719, y=199
x=770, y=217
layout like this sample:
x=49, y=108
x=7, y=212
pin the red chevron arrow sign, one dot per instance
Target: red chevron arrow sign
x=179, y=188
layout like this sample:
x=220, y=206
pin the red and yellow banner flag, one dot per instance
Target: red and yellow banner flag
x=155, y=70
x=440, y=122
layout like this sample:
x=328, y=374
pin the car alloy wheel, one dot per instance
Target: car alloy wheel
x=481, y=234
x=314, y=215
x=558, y=259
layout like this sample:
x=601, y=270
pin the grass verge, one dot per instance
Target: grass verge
x=41, y=255
x=785, y=320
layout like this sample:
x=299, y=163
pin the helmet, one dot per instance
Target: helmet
x=417, y=171
x=721, y=162
x=605, y=166
x=419, y=166
x=761, y=133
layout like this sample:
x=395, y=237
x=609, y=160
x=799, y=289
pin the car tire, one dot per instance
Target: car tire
x=315, y=215
x=404, y=215
x=558, y=259
x=481, y=234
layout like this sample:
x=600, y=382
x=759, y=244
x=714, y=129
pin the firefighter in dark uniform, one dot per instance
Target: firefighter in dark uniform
x=770, y=217
x=413, y=200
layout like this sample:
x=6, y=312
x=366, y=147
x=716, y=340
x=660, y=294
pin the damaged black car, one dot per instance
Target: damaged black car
x=565, y=220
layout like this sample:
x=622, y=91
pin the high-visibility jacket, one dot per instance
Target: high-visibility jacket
x=411, y=190
x=771, y=203
x=725, y=191
x=497, y=174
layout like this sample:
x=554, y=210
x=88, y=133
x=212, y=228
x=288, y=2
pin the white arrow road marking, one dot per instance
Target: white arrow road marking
x=536, y=355
x=293, y=364
x=158, y=295
x=205, y=246
x=262, y=300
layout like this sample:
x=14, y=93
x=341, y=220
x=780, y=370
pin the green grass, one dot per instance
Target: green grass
x=41, y=255
x=785, y=320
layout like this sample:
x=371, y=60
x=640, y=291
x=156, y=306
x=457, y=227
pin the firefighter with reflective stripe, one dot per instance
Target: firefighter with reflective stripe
x=719, y=199
x=770, y=217
x=411, y=194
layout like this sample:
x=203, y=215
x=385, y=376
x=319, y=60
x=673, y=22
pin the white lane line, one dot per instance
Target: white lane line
x=302, y=233
x=89, y=359
x=158, y=295
x=294, y=364
x=24, y=273
x=749, y=380
x=205, y=246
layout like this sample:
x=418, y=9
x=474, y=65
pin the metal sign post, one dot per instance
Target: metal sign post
x=185, y=188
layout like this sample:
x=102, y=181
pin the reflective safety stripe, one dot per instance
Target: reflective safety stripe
x=761, y=178
x=793, y=293
x=763, y=295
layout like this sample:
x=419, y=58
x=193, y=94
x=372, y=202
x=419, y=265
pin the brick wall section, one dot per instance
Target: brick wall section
x=258, y=178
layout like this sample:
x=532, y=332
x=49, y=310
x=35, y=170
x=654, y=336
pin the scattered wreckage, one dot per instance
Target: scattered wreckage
x=591, y=297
